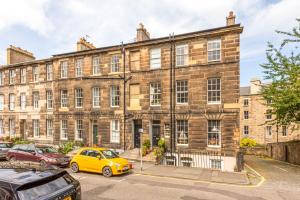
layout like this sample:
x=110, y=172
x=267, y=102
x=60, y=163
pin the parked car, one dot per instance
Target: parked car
x=46, y=155
x=21, y=183
x=4, y=147
x=99, y=160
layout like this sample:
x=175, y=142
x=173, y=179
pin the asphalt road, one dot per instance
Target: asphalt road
x=282, y=182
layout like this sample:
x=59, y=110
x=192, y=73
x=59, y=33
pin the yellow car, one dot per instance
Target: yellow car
x=99, y=160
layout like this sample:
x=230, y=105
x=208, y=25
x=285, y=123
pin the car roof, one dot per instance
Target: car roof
x=21, y=176
x=93, y=148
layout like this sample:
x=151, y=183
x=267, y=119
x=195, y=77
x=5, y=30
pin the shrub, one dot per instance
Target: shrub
x=162, y=143
x=248, y=142
x=147, y=144
x=17, y=140
x=66, y=147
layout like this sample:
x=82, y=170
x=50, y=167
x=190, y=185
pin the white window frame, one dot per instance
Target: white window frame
x=217, y=91
x=1, y=78
x=49, y=71
x=246, y=130
x=1, y=102
x=23, y=101
x=217, y=133
x=182, y=132
x=244, y=102
x=214, y=49
x=96, y=97
x=284, y=131
x=78, y=97
x=12, y=99
x=12, y=74
x=49, y=99
x=155, y=94
x=115, y=63
x=269, y=130
x=64, y=69
x=49, y=127
x=1, y=127
x=115, y=96
x=115, y=131
x=36, y=128
x=64, y=129
x=12, y=127
x=79, y=129
x=96, y=65
x=23, y=73
x=64, y=99
x=35, y=100
x=155, y=58
x=182, y=91
x=246, y=114
x=35, y=74
x=78, y=67
x=269, y=114
x=182, y=55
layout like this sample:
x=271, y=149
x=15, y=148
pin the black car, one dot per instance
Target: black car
x=25, y=183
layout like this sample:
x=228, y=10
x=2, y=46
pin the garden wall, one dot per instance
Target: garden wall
x=285, y=151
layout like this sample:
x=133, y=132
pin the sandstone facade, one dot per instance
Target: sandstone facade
x=183, y=125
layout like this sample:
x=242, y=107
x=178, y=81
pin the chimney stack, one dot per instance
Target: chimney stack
x=83, y=44
x=230, y=20
x=142, y=33
x=18, y=55
x=255, y=86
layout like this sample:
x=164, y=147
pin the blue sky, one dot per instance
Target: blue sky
x=47, y=27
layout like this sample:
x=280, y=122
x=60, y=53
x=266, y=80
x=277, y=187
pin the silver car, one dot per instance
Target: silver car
x=4, y=147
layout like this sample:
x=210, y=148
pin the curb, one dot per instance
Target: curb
x=258, y=174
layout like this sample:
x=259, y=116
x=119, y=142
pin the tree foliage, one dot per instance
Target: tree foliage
x=283, y=71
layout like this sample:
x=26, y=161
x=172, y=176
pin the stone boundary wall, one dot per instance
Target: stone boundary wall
x=285, y=151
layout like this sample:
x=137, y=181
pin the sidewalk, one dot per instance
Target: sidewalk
x=195, y=174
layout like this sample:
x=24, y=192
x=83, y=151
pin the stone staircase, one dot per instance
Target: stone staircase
x=134, y=155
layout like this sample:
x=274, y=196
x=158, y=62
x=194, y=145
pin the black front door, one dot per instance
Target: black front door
x=155, y=132
x=95, y=134
x=137, y=138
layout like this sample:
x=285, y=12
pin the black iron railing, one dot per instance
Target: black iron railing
x=197, y=159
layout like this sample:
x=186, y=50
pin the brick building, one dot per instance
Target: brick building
x=254, y=117
x=184, y=88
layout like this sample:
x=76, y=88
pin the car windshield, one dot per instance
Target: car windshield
x=43, y=190
x=5, y=145
x=43, y=150
x=109, y=154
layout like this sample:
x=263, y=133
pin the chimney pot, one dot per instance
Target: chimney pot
x=142, y=33
x=230, y=20
x=83, y=44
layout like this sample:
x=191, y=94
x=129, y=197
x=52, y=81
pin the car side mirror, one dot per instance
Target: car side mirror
x=99, y=157
x=33, y=153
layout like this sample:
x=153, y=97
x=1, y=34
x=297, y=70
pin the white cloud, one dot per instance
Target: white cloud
x=110, y=22
x=29, y=13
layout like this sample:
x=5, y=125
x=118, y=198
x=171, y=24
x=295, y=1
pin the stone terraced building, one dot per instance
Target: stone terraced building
x=184, y=88
x=255, y=118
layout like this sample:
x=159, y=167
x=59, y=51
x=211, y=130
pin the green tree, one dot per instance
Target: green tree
x=282, y=69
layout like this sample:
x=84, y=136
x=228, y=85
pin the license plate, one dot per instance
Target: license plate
x=68, y=198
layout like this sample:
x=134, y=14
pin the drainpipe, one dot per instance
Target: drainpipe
x=124, y=97
x=171, y=115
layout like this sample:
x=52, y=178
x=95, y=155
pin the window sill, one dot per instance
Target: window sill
x=182, y=104
x=214, y=146
x=182, y=145
x=214, y=103
x=112, y=142
x=64, y=139
x=213, y=61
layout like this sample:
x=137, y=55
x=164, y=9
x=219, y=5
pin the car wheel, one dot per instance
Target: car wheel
x=107, y=172
x=74, y=167
x=43, y=163
x=12, y=159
